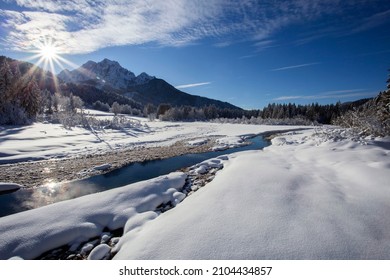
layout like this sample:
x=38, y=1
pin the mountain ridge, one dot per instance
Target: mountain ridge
x=106, y=72
x=109, y=75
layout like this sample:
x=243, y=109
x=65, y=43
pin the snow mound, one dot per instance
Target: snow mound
x=205, y=166
x=100, y=252
x=9, y=187
x=102, y=167
x=31, y=233
x=228, y=143
x=197, y=142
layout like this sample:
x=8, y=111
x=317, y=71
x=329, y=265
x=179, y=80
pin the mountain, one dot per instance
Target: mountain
x=158, y=91
x=105, y=72
x=110, y=76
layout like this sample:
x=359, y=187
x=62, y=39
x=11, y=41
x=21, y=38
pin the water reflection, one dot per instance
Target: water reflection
x=55, y=192
x=51, y=192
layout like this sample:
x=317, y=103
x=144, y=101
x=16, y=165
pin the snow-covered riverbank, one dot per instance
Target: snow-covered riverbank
x=44, y=153
x=47, y=141
x=316, y=194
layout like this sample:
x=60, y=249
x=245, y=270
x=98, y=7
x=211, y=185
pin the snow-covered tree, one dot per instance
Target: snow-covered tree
x=6, y=78
x=29, y=97
x=116, y=108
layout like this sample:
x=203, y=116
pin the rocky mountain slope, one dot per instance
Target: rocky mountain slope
x=110, y=76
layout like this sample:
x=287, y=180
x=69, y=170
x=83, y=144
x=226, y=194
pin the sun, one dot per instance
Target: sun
x=48, y=52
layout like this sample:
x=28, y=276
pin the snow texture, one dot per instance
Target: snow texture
x=309, y=196
x=318, y=194
x=46, y=141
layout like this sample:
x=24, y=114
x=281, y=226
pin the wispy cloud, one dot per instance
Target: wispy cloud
x=373, y=21
x=222, y=44
x=295, y=66
x=328, y=94
x=83, y=26
x=192, y=85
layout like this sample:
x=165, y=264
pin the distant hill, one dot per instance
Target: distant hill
x=110, y=76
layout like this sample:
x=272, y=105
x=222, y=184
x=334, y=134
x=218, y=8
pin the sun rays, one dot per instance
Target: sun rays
x=48, y=55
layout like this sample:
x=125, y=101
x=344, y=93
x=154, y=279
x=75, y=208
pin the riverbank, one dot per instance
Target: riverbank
x=37, y=173
x=45, y=153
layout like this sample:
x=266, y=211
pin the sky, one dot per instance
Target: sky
x=249, y=53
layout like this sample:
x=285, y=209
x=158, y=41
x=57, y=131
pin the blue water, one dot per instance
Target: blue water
x=25, y=199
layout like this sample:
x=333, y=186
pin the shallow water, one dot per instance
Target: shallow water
x=25, y=199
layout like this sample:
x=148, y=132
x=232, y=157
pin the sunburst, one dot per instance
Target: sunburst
x=49, y=52
x=50, y=57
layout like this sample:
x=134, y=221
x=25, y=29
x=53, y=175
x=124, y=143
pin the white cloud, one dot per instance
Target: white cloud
x=192, y=85
x=294, y=66
x=82, y=26
x=373, y=21
x=329, y=94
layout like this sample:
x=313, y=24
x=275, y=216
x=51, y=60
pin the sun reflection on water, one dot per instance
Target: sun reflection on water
x=52, y=191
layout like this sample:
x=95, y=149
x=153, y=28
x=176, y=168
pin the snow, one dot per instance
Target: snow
x=99, y=252
x=46, y=141
x=317, y=194
x=228, y=142
x=309, y=198
x=197, y=142
x=29, y=234
x=103, y=167
x=9, y=187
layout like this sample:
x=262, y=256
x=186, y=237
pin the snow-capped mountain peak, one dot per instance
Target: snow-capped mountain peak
x=143, y=78
x=105, y=72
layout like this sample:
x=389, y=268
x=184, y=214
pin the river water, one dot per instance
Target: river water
x=25, y=199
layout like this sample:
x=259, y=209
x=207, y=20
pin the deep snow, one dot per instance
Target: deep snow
x=318, y=194
x=305, y=197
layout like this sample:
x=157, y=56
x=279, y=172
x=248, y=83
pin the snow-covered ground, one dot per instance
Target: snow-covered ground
x=316, y=194
x=45, y=140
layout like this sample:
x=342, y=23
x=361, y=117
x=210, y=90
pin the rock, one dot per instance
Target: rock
x=105, y=237
x=201, y=169
x=100, y=252
x=86, y=248
x=223, y=157
x=71, y=257
x=102, y=167
x=178, y=197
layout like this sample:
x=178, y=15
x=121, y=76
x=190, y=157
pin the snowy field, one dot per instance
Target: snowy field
x=317, y=194
x=44, y=140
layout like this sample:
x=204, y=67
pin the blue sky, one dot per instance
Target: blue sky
x=249, y=53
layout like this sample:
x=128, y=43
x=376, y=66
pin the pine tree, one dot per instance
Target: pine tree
x=6, y=79
x=29, y=97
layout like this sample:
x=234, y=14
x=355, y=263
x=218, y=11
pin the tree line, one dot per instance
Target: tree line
x=23, y=97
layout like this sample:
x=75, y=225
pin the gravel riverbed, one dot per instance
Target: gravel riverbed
x=37, y=173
